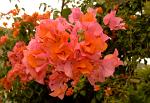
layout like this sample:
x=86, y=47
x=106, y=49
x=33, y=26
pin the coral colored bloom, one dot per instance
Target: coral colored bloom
x=110, y=62
x=69, y=92
x=57, y=84
x=36, y=61
x=75, y=15
x=106, y=68
x=88, y=17
x=3, y=39
x=18, y=69
x=93, y=45
x=43, y=16
x=99, y=10
x=59, y=92
x=96, y=87
x=15, y=33
x=5, y=83
x=63, y=52
x=84, y=66
x=114, y=23
x=15, y=56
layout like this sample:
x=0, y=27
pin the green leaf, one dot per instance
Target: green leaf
x=16, y=6
x=83, y=93
x=66, y=12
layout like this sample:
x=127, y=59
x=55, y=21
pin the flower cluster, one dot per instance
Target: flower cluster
x=33, y=19
x=62, y=52
x=114, y=23
x=18, y=69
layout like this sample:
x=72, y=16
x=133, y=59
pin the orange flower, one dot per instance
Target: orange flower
x=3, y=39
x=88, y=17
x=44, y=16
x=5, y=83
x=84, y=66
x=57, y=84
x=60, y=92
x=16, y=24
x=93, y=45
x=96, y=87
x=35, y=59
x=35, y=15
x=14, y=12
x=99, y=10
x=15, y=33
x=44, y=30
x=27, y=18
x=69, y=92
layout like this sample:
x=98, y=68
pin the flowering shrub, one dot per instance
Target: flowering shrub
x=62, y=52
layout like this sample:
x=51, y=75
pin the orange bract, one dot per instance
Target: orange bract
x=84, y=66
x=96, y=87
x=93, y=45
x=3, y=39
x=99, y=10
x=88, y=17
x=34, y=58
x=69, y=92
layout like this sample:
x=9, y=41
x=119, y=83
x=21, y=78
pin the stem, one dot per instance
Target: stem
x=62, y=6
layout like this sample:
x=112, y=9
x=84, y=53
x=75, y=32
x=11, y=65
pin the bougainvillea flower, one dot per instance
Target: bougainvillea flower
x=36, y=61
x=96, y=76
x=110, y=62
x=84, y=66
x=16, y=55
x=69, y=92
x=88, y=17
x=92, y=45
x=3, y=39
x=18, y=70
x=63, y=24
x=6, y=83
x=75, y=15
x=59, y=92
x=57, y=84
x=95, y=29
x=114, y=23
x=106, y=68
x=64, y=52
x=92, y=28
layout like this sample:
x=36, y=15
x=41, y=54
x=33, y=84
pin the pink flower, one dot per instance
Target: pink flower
x=75, y=15
x=15, y=56
x=57, y=84
x=36, y=61
x=114, y=23
x=105, y=69
x=64, y=52
x=18, y=69
x=110, y=62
